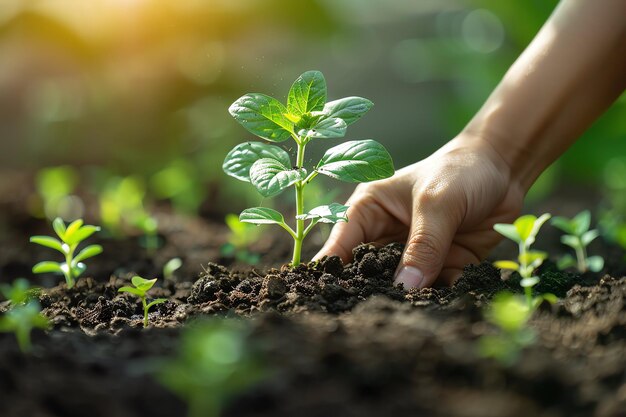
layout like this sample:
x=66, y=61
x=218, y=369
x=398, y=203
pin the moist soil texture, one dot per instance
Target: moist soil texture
x=337, y=340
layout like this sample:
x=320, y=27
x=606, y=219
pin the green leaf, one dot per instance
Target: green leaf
x=307, y=94
x=171, y=266
x=261, y=215
x=72, y=228
x=81, y=234
x=263, y=116
x=270, y=176
x=88, y=252
x=563, y=224
x=47, y=241
x=581, y=222
x=509, y=312
x=239, y=160
x=78, y=269
x=566, y=261
x=507, y=230
x=332, y=213
x=571, y=241
x=143, y=284
x=524, y=226
x=357, y=161
x=538, y=223
x=532, y=257
x=589, y=236
x=350, y=109
x=132, y=290
x=46, y=267
x=595, y=263
x=155, y=302
x=59, y=227
x=506, y=265
x=332, y=127
x=529, y=282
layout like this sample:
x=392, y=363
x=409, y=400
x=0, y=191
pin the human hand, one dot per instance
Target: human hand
x=444, y=207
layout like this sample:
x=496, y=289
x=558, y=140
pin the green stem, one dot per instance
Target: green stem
x=581, y=256
x=525, y=273
x=299, y=234
x=69, y=273
x=145, y=312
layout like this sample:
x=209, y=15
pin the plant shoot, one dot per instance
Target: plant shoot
x=578, y=236
x=140, y=287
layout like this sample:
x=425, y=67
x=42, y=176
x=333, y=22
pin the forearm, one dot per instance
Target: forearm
x=570, y=73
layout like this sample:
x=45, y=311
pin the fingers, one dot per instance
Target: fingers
x=343, y=237
x=432, y=230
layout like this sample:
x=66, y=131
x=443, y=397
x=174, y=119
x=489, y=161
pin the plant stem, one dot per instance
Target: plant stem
x=297, y=246
x=581, y=256
x=145, y=312
x=525, y=273
x=69, y=273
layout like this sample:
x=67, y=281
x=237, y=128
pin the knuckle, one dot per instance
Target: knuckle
x=423, y=248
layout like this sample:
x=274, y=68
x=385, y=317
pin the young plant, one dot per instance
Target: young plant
x=509, y=314
x=307, y=116
x=170, y=267
x=217, y=360
x=523, y=232
x=24, y=315
x=70, y=237
x=140, y=288
x=578, y=237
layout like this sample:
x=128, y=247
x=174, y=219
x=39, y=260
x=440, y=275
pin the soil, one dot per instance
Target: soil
x=340, y=340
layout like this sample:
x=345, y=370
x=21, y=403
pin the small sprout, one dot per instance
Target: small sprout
x=70, y=237
x=24, y=315
x=306, y=117
x=524, y=232
x=510, y=314
x=140, y=288
x=241, y=236
x=578, y=237
x=170, y=267
x=216, y=361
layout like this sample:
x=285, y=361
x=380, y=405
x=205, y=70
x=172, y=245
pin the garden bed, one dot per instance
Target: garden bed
x=336, y=340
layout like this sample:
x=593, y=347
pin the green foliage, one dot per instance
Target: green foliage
x=24, y=315
x=215, y=362
x=307, y=116
x=180, y=182
x=241, y=236
x=70, y=237
x=510, y=314
x=140, y=287
x=54, y=187
x=170, y=267
x=578, y=237
x=524, y=232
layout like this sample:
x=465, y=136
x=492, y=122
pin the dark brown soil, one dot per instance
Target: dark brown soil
x=340, y=340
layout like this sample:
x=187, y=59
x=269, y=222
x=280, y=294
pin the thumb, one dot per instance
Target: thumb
x=431, y=234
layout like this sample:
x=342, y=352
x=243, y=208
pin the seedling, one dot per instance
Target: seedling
x=307, y=116
x=70, y=237
x=24, y=315
x=170, y=267
x=510, y=314
x=241, y=236
x=216, y=361
x=524, y=231
x=578, y=237
x=140, y=288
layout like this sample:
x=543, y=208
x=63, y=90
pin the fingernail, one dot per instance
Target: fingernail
x=409, y=277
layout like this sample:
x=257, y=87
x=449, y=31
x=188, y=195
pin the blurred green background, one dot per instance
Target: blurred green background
x=142, y=87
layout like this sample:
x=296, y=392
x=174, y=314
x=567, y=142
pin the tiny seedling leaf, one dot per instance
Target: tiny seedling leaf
x=595, y=263
x=80, y=234
x=88, y=252
x=507, y=230
x=332, y=213
x=47, y=267
x=581, y=222
x=143, y=284
x=132, y=290
x=271, y=177
x=239, y=160
x=71, y=229
x=59, y=227
x=156, y=301
x=566, y=261
x=506, y=265
x=529, y=282
x=307, y=94
x=47, y=241
x=589, y=236
x=350, y=109
x=261, y=215
x=571, y=241
x=563, y=224
x=524, y=226
x=357, y=161
x=263, y=116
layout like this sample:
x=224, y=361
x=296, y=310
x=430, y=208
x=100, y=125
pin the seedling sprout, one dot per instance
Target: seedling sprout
x=523, y=232
x=140, y=287
x=306, y=117
x=578, y=237
x=70, y=237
